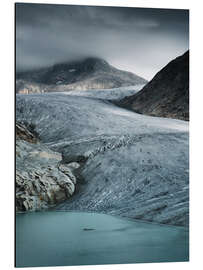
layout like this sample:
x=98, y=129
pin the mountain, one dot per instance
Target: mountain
x=90, y=73
x=167, y=94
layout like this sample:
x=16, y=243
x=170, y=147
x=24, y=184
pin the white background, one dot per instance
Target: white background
x=196, y=131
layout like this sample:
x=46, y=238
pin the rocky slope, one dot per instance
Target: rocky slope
x=26, y=133
x=167, y=94
x=41, y=179
x=90, y=73
x=132, y=165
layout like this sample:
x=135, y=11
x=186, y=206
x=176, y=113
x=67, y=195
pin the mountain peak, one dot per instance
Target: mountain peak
x=95, y=60
x=88, y=64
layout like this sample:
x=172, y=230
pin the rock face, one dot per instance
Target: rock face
x=42, y=180
x=167, y=94
x=23, y=133
x=91, y=73
x=132, y=165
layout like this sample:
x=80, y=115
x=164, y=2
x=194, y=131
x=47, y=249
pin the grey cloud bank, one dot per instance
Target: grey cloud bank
x=134, y=39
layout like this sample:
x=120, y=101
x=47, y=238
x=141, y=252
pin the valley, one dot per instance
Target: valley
x=131, y=165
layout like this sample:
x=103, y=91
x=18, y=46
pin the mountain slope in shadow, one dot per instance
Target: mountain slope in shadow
x=167, y=94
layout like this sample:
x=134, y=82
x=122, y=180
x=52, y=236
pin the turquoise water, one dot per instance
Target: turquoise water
x=77, y=238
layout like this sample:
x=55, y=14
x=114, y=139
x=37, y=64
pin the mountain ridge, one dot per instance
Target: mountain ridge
x=167, y=94
x=89, y=73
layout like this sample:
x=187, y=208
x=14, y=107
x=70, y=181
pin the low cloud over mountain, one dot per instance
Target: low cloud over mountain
x=90, y=73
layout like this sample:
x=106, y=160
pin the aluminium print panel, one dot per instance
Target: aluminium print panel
x=102, y=135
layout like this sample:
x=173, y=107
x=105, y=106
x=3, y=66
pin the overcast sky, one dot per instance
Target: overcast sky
x=134, y=39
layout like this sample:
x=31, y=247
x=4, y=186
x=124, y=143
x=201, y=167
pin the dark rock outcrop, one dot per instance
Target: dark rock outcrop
x=167, y=94
x=91, y=73
x=24, y=133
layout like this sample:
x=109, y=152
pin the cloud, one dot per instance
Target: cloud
x=135, y=39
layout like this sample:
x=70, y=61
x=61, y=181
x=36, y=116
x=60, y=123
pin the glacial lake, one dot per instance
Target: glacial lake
x=78, y=238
